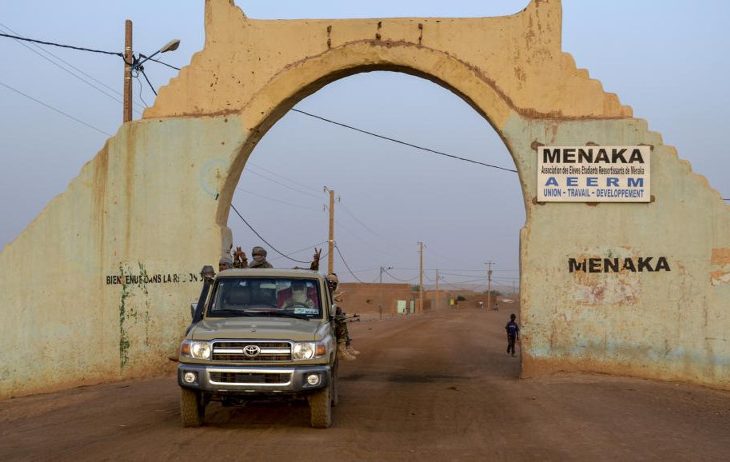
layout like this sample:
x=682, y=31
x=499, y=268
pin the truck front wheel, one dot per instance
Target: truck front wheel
x=320, y=407
x=335, y=389
x=192, y=408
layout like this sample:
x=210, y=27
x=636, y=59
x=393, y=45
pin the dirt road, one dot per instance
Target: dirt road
x=431, y=387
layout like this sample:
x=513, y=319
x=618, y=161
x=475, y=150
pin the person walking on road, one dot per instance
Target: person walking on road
x=513, y=334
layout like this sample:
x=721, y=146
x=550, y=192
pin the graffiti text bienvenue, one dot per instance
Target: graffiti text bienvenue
x=159, y=278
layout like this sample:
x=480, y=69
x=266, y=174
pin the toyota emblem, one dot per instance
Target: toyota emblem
x=251, y=350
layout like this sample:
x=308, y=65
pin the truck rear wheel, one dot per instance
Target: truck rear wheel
x=192, y=408
x=320, y=407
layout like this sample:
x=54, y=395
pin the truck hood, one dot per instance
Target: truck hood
x=256, y=328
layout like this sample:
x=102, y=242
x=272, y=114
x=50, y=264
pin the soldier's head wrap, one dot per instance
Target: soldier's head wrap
x=332, y=281
x=225, y=262
x=259, y=254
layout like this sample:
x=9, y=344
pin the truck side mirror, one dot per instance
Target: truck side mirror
x=193, y=305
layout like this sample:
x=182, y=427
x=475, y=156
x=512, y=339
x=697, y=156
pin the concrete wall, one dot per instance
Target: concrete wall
x=133, y=229
x=368, y=299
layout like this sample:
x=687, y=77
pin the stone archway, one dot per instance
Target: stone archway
x=132, y=230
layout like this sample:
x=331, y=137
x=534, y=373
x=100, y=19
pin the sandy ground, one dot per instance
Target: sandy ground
x=432, y=387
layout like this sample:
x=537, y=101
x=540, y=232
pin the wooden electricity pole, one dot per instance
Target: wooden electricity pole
x=438, y=294
x=489, y=285
x=420, y=278
x=331, y=241
x=128, y=61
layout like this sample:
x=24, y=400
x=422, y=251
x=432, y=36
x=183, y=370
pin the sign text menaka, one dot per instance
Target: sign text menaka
x=591, y=155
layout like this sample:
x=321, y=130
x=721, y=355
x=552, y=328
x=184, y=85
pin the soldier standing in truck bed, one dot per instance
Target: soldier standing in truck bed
x=259, y=258
x=225, y=263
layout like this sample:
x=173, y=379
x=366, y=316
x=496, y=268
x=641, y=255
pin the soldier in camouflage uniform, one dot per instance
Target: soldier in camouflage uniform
x=225, y=263
x=259, y=258
x=344, y=348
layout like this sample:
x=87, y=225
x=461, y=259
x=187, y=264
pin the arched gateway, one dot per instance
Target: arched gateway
x=639, y=288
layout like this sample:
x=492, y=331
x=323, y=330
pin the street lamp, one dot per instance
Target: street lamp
x=169, y=46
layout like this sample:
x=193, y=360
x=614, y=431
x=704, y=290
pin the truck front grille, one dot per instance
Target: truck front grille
x=243, y=377
x=237, y=351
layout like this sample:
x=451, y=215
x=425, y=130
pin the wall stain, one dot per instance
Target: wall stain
x=124, y=343
x=146, y=315
x=129, y=315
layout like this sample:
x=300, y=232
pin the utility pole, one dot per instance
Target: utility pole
x=380, y=305
x=438, y=294
x=489, y=285
x=420, y=278
x=331, y=241
x=128, y=61
x=384, y=269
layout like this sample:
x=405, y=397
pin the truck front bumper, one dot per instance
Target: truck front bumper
x=241, y=379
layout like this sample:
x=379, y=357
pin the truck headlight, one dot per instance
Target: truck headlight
x=303, y=350
x=308, y=350
x=195, y=349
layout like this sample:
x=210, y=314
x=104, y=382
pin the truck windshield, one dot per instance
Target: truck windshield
x=286, y=297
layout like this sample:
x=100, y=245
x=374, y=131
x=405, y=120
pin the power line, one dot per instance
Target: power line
x=37, y=51
x=398, y=279
x=55, y=109
x=347, y=210
x=346, y=265
x=301, y=191
x=405, y=143
x=464, y=282
x=158, y=61
x=277, y=200
x=271, y=172
x=439, y=256
x=16, y=37
x=365, y=270
x=121, y=55
x=140, y=91
x=141, y=69
x=294, y=252
x=65, y=69
x=282, y=184
x=262, y=238
x=452, y=269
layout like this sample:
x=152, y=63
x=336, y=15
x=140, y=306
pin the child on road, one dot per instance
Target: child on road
x=513, y=333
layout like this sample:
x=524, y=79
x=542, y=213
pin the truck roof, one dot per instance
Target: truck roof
x=269, y=272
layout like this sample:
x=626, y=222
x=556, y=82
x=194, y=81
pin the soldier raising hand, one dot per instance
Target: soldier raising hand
x=314, y=266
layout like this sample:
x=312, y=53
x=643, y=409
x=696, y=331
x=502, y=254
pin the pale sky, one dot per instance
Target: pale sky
x=668, y=62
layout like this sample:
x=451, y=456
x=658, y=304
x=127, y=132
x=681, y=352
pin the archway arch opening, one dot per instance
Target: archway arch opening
x=391, y=195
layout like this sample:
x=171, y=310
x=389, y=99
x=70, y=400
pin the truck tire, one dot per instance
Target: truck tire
x=320, y=407
x=192, y=408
